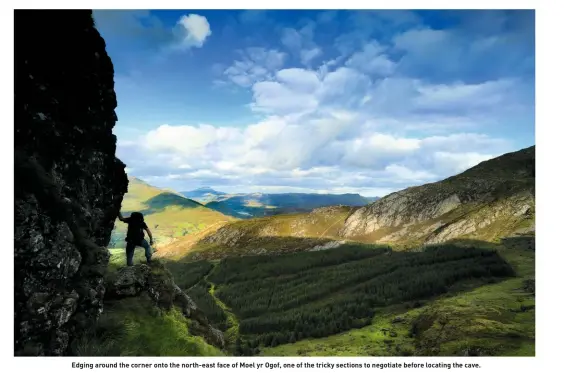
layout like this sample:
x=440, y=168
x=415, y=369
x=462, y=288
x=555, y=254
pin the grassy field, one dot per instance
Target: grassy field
x=134, y=327
x=118, y=258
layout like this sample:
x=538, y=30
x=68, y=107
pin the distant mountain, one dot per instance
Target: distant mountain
x=168, y=214
x=246, y=206
x=203, y=195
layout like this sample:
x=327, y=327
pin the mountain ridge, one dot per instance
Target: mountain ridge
x=493, y=191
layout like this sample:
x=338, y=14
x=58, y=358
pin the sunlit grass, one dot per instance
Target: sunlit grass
x=134, y=327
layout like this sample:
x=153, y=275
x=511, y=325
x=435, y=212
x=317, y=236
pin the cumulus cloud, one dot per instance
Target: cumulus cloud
x=380, y=115
x=308, y=55
x=322, y=133
x=135, y=26
x=300, y=42
x=320, y=154
x=254, y=65
x=192, y=31
x=458, y=162
x=372, y=59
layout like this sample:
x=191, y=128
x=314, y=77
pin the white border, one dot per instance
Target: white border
x=549, y=122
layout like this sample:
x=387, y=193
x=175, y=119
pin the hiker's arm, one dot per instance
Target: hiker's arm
x=150, y=235
x=120, y=217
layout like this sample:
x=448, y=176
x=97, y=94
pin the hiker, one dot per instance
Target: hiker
x=136, y=237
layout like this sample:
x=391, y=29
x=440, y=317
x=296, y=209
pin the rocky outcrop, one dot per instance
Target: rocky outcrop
x=68, y=183
x=501, y=188
x=328, y=245
x=157, y=282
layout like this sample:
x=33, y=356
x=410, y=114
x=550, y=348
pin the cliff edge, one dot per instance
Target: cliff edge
x=68, y=183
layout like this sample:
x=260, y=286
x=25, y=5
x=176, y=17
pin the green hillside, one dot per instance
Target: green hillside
x=170, y=216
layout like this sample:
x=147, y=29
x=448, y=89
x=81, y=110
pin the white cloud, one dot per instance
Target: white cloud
x=255, y=65
x=452, y=143
x=458, y=162
x=459, y=95
x=300, y=43
x=192, y=31
x=421, y=40
x=358, y=122
x=278, y=98
x=331, y=129
x=308, y=55
x=405, y=173
x=326, y=153
x=291, y=38
x=372, y=59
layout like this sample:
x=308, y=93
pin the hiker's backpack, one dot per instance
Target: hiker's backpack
x=137, y=220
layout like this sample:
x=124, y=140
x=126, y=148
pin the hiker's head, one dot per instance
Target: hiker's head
x=137, y=216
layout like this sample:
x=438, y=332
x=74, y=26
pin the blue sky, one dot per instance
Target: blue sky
x=367, y=102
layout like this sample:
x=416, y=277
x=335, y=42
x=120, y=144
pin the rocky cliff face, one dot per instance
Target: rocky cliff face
x=68, y=183
x=492, y=199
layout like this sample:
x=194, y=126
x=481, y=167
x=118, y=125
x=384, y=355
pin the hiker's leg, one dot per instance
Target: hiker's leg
x=148, y=250
x=129, y=251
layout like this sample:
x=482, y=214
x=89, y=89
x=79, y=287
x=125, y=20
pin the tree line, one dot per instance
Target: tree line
x=324, y=300
x=237, y=269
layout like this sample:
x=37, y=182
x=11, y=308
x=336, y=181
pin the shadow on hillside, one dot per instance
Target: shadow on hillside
x=523, y=242
x=252, y=245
